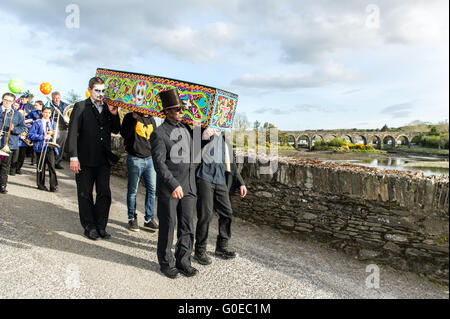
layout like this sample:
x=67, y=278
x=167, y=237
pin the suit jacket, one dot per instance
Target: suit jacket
x=37, y=134
x=89, y=134
x=172, y=169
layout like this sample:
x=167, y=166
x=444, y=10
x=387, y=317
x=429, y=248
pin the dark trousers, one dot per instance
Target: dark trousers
x=212, y=197
x=178, y=212
x=48, y=162
x=61, y=141
x=4, y=170
x=22, y=155
x=94, y=215
x=14, y=159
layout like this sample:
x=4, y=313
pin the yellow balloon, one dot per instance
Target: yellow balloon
x=87, y=94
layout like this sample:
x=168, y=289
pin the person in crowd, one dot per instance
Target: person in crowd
x=175, y=186
x=12, y=124
x=89, y=139
x=62, y=127
x=216, y=175
x=41, y=133
x=136, y=130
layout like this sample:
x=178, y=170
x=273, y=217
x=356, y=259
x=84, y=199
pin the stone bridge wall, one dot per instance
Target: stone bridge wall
x=390, y=217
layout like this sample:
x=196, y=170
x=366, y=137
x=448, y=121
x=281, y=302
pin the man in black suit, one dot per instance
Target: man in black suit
x=89, y=138
x=175, y=185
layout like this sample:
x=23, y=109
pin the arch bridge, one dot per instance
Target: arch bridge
x=380, y=140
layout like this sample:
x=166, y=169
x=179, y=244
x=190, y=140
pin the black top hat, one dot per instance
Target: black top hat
x=170, y=98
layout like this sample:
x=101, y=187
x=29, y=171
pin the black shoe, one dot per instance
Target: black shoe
x=104, y=234
x=133, y=225
x=172, y=273
x=19, y=172
x=188, y=271
x=224, y=253
x=151, y=225
x=43, y=188
x=91, y=234
x=54, y=189
x=58, y=166
x=202, y=258
x=12, y=173
x=3, y=190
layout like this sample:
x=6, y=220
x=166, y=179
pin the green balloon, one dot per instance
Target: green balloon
x=15, y=85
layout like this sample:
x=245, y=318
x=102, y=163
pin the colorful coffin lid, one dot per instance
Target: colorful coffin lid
x=138, y=92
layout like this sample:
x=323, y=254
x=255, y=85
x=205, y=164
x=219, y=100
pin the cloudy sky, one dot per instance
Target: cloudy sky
x=300, y=64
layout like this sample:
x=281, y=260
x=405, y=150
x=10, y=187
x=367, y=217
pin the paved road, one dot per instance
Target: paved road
x=44, y=255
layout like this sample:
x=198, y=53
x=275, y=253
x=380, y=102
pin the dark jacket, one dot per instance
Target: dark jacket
x=18, y=128
x=89, y=134
x=234, y=179
x=171, y=170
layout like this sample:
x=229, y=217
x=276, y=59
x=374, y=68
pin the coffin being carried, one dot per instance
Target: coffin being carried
x=139, y=92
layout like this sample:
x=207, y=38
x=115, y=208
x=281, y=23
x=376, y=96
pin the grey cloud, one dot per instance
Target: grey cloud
x=292, y=110
x=325, y=75
x=400, y=110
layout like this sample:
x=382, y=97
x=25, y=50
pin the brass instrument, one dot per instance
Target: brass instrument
x=5, y=151
x=25, y=139
x=67, y=112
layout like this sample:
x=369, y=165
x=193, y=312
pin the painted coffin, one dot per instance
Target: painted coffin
x=138, y=92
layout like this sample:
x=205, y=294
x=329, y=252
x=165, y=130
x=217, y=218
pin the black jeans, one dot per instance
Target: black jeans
x=94, y=215
x=173, y=211
x=212, y=197
x=4, y=170
x=48, y=162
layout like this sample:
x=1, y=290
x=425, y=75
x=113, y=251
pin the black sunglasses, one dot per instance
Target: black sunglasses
x=178, y=108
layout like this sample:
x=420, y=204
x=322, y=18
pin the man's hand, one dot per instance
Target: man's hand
x=243, y=191
x=178, y=193
x=135, y=115
x=113, y=109
x=75, y=166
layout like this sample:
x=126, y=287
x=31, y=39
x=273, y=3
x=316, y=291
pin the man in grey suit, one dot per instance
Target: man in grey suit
x=176, y=188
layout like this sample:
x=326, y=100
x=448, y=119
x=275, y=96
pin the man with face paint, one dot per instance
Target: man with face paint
x=91, y=123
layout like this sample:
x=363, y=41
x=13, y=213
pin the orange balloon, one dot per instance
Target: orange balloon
x=45, y=88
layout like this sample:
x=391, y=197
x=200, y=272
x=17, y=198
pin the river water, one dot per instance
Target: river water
x=399, y=163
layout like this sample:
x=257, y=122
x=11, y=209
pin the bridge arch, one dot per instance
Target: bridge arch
x=347, y=137
x=402, y=140
x=388, y=141
x=315, y=138
x=375, y=141
x=303, y=141
x=360, y=139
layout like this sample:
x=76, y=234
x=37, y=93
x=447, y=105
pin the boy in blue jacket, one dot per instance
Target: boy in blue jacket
x=41, y=133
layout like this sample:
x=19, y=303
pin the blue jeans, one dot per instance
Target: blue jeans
x=138, y=167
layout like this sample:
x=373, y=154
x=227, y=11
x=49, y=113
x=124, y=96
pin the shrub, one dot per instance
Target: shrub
x=337, y=142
